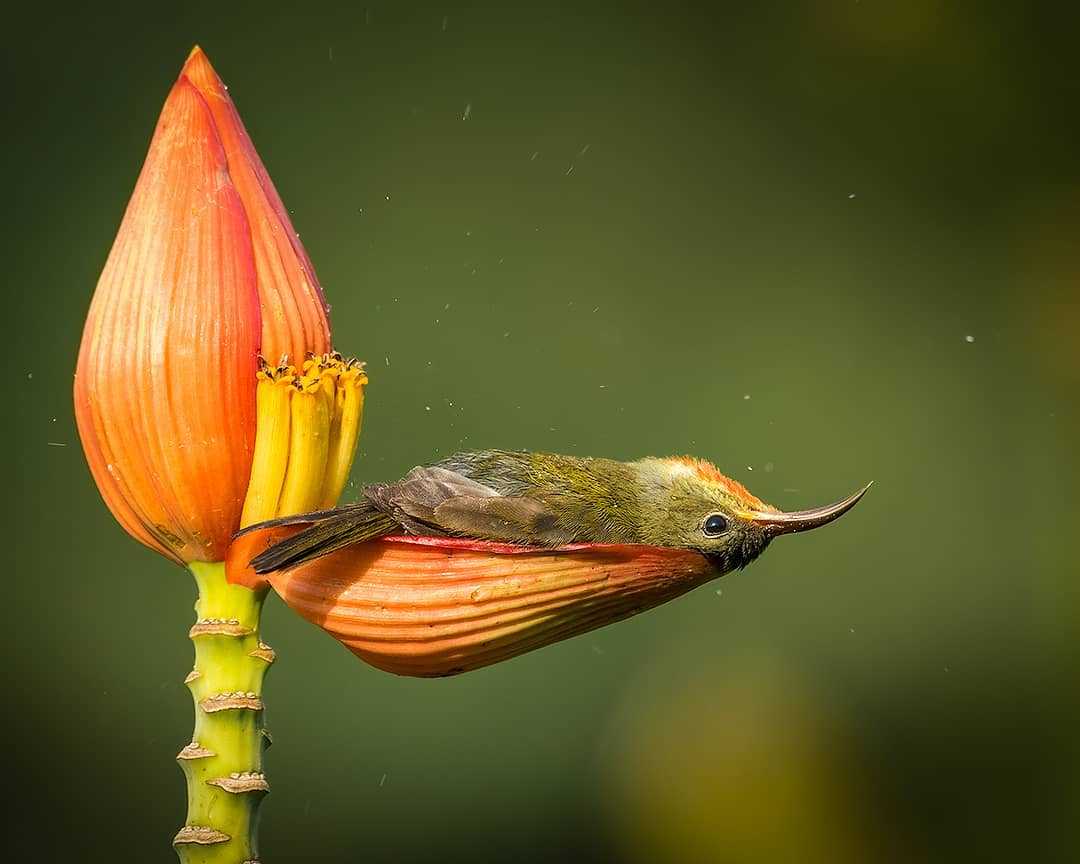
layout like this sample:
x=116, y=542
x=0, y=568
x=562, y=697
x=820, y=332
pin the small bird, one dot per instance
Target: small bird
x=545, y=500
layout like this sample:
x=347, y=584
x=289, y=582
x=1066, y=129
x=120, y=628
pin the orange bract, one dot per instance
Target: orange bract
x=429, y=606
x=205, y=273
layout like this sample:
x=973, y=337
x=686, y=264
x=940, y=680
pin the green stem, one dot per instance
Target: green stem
x=223, y=762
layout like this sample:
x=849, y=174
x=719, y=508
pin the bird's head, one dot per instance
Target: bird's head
x=690, y=504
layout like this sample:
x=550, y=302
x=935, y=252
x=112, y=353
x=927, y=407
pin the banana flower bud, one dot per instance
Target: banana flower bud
x=432, y=606
x=205, y=275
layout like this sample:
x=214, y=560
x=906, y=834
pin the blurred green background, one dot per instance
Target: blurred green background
x=818, y=243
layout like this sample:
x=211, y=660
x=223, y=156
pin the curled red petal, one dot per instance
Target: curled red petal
x=433, y=606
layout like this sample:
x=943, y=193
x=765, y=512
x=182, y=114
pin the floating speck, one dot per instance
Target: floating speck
x=769, y=467
x=749, y=467
x=851, y=195
x=56, y=444
x=387, y=361
x=427, y=407
x=534, y=156
x=387, y=197
x=719, y=592
x=570, y=170
x=382, y=780
x=445, y=22
x=468, y=111
x=969, y=339
x=30, y=375
x=746, y=397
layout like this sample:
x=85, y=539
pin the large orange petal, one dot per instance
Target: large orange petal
x=432, y=606
x=164, y=387
x=294, y=314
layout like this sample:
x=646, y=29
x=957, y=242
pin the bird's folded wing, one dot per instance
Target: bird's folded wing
x=434, y=500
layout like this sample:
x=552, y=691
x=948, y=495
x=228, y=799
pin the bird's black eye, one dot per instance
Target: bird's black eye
x=714, y=526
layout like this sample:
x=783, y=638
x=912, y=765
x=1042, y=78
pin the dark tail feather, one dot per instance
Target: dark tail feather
x=332, y=529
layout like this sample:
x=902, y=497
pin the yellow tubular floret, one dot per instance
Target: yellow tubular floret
x=308, y=447
x=344, y=431
x=271, y=456
x=305, y=440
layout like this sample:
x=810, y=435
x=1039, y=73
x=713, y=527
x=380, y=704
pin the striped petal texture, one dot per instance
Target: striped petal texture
x=205, y=274
x=425, y=606
x=294, y=314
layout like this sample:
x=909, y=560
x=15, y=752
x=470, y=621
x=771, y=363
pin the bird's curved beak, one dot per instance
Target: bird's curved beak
x=774, y=524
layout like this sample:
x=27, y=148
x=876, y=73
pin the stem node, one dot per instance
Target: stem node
x=195, y=751
x=239, y=783
x=200, y=835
